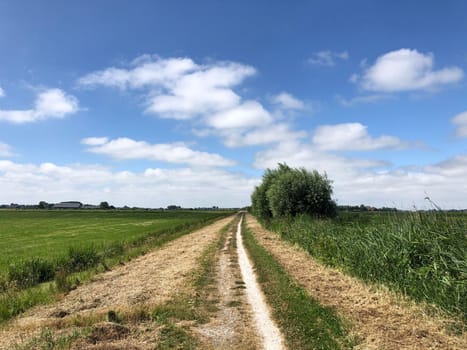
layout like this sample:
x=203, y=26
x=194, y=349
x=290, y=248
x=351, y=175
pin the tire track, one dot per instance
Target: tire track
x=266, y=327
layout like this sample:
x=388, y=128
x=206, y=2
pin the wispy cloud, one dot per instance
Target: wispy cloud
x=364, y=99
x=2, y=92
x=51, y=103
x=327, y=58
x=286, y=101
x=406, y=70
x=5, y=150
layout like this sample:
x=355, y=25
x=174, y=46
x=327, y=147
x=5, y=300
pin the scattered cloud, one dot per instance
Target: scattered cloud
x=406, y=70
x=2, y=92
x=178, y=88
x=179, y=153
x=51, y=103
x=153, y=187
x=327, y=58
x=287, y=102
x=460, y=121
x=5, y=150
x=352, y=137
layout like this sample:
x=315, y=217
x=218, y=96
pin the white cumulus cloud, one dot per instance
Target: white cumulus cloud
x=2, y=92
x=126, y=148
x=352, y=137
x=248, y=114
x=51, y=103
x=406, y=70
x=460, y=121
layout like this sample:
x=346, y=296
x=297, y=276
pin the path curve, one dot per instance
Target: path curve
x=267, y=329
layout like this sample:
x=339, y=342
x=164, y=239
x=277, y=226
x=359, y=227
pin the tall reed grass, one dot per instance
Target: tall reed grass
x=422, y=254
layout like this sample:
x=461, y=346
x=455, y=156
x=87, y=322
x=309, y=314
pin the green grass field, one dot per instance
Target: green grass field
x=48, y=234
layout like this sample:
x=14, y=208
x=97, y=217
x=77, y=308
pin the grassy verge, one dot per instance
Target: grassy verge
x=21, y=292
x=304, y=323
x=423, y=255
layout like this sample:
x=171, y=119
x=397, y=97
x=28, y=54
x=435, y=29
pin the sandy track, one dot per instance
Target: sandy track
x=266, y=327
x=147, y=280
x=380, y=319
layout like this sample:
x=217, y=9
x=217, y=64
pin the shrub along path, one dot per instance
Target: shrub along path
x=147, y=280
x=380, y=319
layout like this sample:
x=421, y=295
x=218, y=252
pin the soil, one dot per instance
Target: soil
x=380, y=319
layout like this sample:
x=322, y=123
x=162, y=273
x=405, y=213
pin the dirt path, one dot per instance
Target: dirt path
x=381, y=320
x=148, y=280
x=231, y=325
x=271, y=336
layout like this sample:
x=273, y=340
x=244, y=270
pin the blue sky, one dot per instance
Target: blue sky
x=152, y=103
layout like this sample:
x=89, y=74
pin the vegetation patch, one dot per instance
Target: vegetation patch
x=47, y=340
x=304, y=323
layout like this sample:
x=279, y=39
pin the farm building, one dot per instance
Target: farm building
x=68, y=205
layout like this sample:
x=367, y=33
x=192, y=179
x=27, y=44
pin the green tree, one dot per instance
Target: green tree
x=287, y=192
x=43, y=205
x=104, y=205
x=260, y=202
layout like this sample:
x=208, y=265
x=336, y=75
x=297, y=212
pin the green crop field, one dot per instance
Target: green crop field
x=49, y=234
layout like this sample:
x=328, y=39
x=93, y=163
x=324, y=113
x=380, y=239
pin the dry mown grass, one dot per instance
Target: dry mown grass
x=381, y=319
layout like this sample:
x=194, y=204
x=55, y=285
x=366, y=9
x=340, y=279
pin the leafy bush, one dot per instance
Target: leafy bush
x=27, y=273
x=287, y=192
x=81, y=258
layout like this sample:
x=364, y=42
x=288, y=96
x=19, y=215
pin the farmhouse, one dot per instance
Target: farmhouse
x=68, y=205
